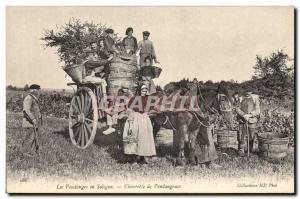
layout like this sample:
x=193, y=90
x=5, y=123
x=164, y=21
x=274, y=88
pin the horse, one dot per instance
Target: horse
x=190, y=126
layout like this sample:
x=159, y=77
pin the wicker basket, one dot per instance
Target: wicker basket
x=157, y=71
x=76, y=72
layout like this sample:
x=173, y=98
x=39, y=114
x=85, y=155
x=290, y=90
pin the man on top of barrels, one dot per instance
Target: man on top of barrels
x=129, y=42
x=146, y=49
x=247, y=112
x=96, y=59
x=109, y=42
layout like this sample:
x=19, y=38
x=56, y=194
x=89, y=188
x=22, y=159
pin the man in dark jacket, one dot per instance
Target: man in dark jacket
x=130, y=42
x=31, y=120
x=109, y=42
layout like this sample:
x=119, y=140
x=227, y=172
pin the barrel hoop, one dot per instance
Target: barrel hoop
x=124, y=62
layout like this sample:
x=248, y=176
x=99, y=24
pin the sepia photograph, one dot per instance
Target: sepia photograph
x=150, y=99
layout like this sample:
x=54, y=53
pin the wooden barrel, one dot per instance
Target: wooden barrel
x=226, y=138
x=122, y=72
x=273, y=146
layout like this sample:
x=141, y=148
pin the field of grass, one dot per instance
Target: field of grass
x=104, y=159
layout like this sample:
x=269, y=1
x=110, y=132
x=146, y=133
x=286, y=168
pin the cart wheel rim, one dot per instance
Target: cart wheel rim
x=83, y=118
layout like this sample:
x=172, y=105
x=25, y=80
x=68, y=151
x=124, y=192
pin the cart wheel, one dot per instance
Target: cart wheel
x=83, y=118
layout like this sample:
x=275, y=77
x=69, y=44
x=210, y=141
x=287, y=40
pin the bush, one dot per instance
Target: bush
x=72, y=38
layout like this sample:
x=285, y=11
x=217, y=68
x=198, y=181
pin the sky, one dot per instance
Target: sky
x=209, y=43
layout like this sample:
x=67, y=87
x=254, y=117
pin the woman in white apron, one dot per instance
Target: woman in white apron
x=138, y=131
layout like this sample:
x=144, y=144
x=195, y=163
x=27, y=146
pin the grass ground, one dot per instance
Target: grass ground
x=103, y=158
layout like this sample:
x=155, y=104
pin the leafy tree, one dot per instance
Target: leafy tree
x=72, y=38
x=209, y=83
x=10, y=87
x=274, y=75
x=274, y=65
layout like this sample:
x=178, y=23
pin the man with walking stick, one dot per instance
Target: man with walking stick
x=247, y=111
x=32, y=118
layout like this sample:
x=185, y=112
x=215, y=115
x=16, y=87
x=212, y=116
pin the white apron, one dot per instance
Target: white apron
x=138, y=135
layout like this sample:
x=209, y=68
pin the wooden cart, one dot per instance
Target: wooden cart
x=84, y=114
x=84, y=108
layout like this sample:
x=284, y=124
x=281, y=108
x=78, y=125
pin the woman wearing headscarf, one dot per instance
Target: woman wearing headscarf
x=130, y=42
x=138, y=131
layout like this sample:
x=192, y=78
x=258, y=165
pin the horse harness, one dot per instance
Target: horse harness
x=212, y=109
x=229, y=103
x=167, y=121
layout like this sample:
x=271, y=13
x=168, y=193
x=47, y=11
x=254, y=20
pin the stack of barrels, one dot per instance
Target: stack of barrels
x=123, y=72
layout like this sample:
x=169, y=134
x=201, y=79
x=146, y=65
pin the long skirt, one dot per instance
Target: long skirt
x=138, y=136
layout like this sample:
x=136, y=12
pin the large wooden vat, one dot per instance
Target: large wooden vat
x=122, y=72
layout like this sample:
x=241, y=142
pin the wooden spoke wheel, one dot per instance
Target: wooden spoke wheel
x=83, y=118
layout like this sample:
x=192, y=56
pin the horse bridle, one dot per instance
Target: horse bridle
x=224, y=110
x=212, y=109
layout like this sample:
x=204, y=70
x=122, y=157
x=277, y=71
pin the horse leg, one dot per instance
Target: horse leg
x=192, y=146
x=182, y=133
x=175, y=143
x=156, y=128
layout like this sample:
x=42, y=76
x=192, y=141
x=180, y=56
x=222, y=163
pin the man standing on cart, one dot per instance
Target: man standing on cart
x=130, y=42
x=97, y=59
x=109, y=42
x=146, y=49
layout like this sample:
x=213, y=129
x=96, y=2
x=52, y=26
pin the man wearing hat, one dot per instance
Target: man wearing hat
x=146, y=49
x=109, y=42
x=96, y=62
x=31, y=118
x=130, y=42
x=247, y=112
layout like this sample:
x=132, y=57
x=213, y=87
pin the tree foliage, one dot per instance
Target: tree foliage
x=72, y=38
x=274, y=74
x=271, y=66
x=273, y=77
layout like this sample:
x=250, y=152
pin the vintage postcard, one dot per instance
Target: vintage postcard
x=150, y=100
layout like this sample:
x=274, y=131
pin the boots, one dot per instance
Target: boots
x=251, y=142
x=243, y=148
